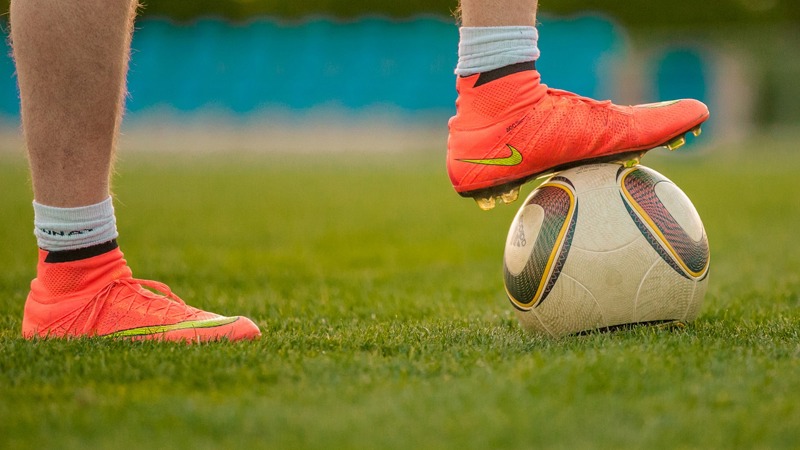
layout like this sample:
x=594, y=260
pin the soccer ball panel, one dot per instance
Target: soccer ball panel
x=603, y=224
x=538, y=244
x=612, y=276
x=522, y=239
x=654, y=202
x=575, y=310
x=681, y=209
x=661, y=294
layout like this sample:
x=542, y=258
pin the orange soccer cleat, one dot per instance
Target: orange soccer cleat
x=510, y=128
x=96, y=296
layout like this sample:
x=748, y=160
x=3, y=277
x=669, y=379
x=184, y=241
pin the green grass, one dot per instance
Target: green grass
x=385, y=325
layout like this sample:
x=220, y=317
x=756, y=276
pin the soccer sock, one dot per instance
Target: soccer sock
x=67, y=229
x=481, y=49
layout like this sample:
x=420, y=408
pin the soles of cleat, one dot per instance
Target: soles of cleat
x=679, y=141
x=509, y=192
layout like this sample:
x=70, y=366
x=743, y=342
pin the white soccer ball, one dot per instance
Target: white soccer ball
x=600, y=246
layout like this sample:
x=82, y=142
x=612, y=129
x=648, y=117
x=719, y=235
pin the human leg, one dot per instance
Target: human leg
x=509, y=127
x=482, y=13
x=71, y=58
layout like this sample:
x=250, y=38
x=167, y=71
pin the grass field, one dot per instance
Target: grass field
x=380, y=297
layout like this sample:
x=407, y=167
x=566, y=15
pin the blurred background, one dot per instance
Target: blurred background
x=259, y=74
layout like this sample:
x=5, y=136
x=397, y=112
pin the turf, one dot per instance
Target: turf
x=385, y=325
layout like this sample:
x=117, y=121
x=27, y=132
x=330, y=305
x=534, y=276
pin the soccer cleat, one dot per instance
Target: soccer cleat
x=97, y=297
x=510, y=128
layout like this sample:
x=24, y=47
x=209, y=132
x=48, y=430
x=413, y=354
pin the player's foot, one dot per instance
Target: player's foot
x=90, y=292
x=510, y=128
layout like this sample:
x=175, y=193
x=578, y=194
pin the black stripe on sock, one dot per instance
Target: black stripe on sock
x=495, y=74
x=81, y=253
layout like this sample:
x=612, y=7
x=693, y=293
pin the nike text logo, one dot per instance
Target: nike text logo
x=511, y=160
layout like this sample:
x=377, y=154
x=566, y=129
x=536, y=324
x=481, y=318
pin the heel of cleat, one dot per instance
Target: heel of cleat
x=487, y=199
x=484, y=203
x=510, y=196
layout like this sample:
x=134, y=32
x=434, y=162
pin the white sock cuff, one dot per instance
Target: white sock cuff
x=481, y=49
x=58, y=229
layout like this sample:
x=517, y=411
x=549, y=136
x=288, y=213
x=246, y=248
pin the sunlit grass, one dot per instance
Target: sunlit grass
x=380, y=296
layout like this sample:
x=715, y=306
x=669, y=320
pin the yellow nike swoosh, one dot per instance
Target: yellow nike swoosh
x=158, y=329
x=511, y=160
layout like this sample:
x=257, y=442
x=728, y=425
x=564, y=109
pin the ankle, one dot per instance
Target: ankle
x=66, y=273
x=482, y=49
x=64, y=229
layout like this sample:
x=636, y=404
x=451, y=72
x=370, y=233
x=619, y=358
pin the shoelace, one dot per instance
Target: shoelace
x=575, y=97
x=99, y=300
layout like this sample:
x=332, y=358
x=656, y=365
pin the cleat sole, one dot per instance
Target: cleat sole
x=510, y=196
x=485, y=203
x=680, y=140
x=487, y=199
x=632, y=161
x=676, y=143
x=509, y=192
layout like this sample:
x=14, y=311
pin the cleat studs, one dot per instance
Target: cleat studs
x=511, y=196
x=696, y=131
x=631, y=162
x=628, y=160
x=676, y=143
x=488, y=198
x=485, y=203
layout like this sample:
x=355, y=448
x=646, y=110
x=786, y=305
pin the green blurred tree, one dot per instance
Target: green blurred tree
x=633, y=13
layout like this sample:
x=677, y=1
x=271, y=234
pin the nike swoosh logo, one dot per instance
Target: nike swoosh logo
x=159, y=329
x=511, y=160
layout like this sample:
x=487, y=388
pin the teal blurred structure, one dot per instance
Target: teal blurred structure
x=261, y=64
x=405, y=66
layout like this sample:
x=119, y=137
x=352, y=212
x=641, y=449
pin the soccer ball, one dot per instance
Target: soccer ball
x=603, y=245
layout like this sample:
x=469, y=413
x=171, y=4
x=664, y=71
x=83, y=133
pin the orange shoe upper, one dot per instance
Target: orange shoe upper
x=549, y=128
x=98, y=297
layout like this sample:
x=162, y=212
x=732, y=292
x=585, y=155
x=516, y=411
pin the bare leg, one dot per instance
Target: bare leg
x=71, y=57
x=483, y=13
